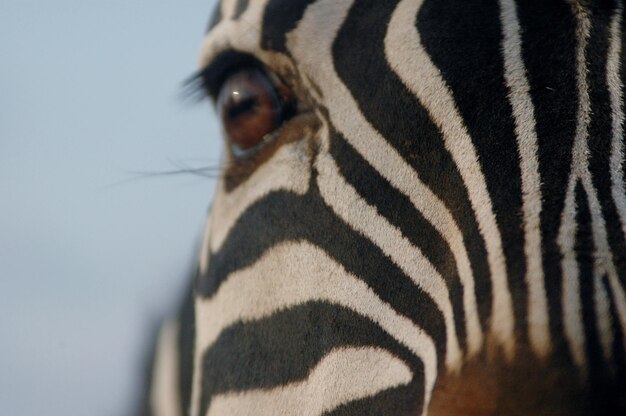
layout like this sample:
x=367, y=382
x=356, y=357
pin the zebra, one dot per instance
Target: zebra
x=421, y=211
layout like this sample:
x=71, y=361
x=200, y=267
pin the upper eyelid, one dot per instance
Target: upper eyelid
x=219, y=68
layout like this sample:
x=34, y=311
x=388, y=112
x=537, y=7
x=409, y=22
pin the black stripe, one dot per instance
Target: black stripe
x=186, y=339
x=283, y=216
x=405, y=124
x=464, y=41
x=280, y=18
x=622, y=61
x=619, y=354
x=603, y=385
x=143, y=406
x=549, y=52
x=240, y=8
x=400, y=212
x=285, y=347
x=397, y=401
x=617, y=399
x=600, y=133
x=584, y=257
x=216, y=17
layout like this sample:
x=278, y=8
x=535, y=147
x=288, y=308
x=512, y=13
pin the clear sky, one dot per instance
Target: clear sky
x=89, y=94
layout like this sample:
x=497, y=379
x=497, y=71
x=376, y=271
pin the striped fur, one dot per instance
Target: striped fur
x=442, y=231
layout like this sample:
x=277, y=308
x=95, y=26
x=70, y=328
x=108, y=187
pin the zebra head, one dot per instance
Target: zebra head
x=421, y=210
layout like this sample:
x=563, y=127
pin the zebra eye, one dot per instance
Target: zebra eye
x=251, y=109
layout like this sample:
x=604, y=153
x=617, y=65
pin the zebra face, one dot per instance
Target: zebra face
x=420, y=199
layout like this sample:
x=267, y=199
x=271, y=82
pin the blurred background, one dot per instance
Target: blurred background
x=93, y=249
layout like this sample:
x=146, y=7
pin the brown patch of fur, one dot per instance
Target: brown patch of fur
x=488, y=386
x=485, y=389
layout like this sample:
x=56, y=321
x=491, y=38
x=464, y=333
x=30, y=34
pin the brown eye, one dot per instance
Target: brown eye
x=251, y=109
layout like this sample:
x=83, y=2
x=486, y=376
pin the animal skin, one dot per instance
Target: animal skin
x=438, y=228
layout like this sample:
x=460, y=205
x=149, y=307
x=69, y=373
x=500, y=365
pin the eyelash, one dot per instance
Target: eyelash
x=206, y=82
x=192, y=88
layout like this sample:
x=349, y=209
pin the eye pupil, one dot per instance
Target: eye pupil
x=246, y=106
x=250, y=109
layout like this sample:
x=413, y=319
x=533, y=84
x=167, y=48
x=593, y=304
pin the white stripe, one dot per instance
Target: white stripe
x=310, y=275
x=572, y=309
x=524, y=114
x=322, y=21
x=342, y=376
x=620, y=300
x=601, y=304
x=351, y=208
x=205, y=251
x=285, y=171
x=603, y=259
x=614, y=81
x=243, y=34
x=604, y=265
x=410, y=61
x=164, y=395
x=228, y=8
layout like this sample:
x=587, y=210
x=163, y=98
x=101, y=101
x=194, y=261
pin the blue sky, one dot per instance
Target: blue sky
x=89, y=94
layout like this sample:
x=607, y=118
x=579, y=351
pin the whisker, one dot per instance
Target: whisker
x=210, y=171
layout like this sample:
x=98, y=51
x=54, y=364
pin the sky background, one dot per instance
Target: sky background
x=93, y=253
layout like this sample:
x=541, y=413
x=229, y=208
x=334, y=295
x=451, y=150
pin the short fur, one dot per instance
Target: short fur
x=442, y=228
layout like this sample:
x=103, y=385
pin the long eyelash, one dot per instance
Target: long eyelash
x=193, y=88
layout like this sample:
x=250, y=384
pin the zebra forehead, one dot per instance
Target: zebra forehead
x=279, y=15
x=271, y=21
x=259, y=27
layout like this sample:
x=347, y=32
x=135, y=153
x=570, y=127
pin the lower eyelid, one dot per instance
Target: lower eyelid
x=271, y=137
x=265, y=141
x=303, y=126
